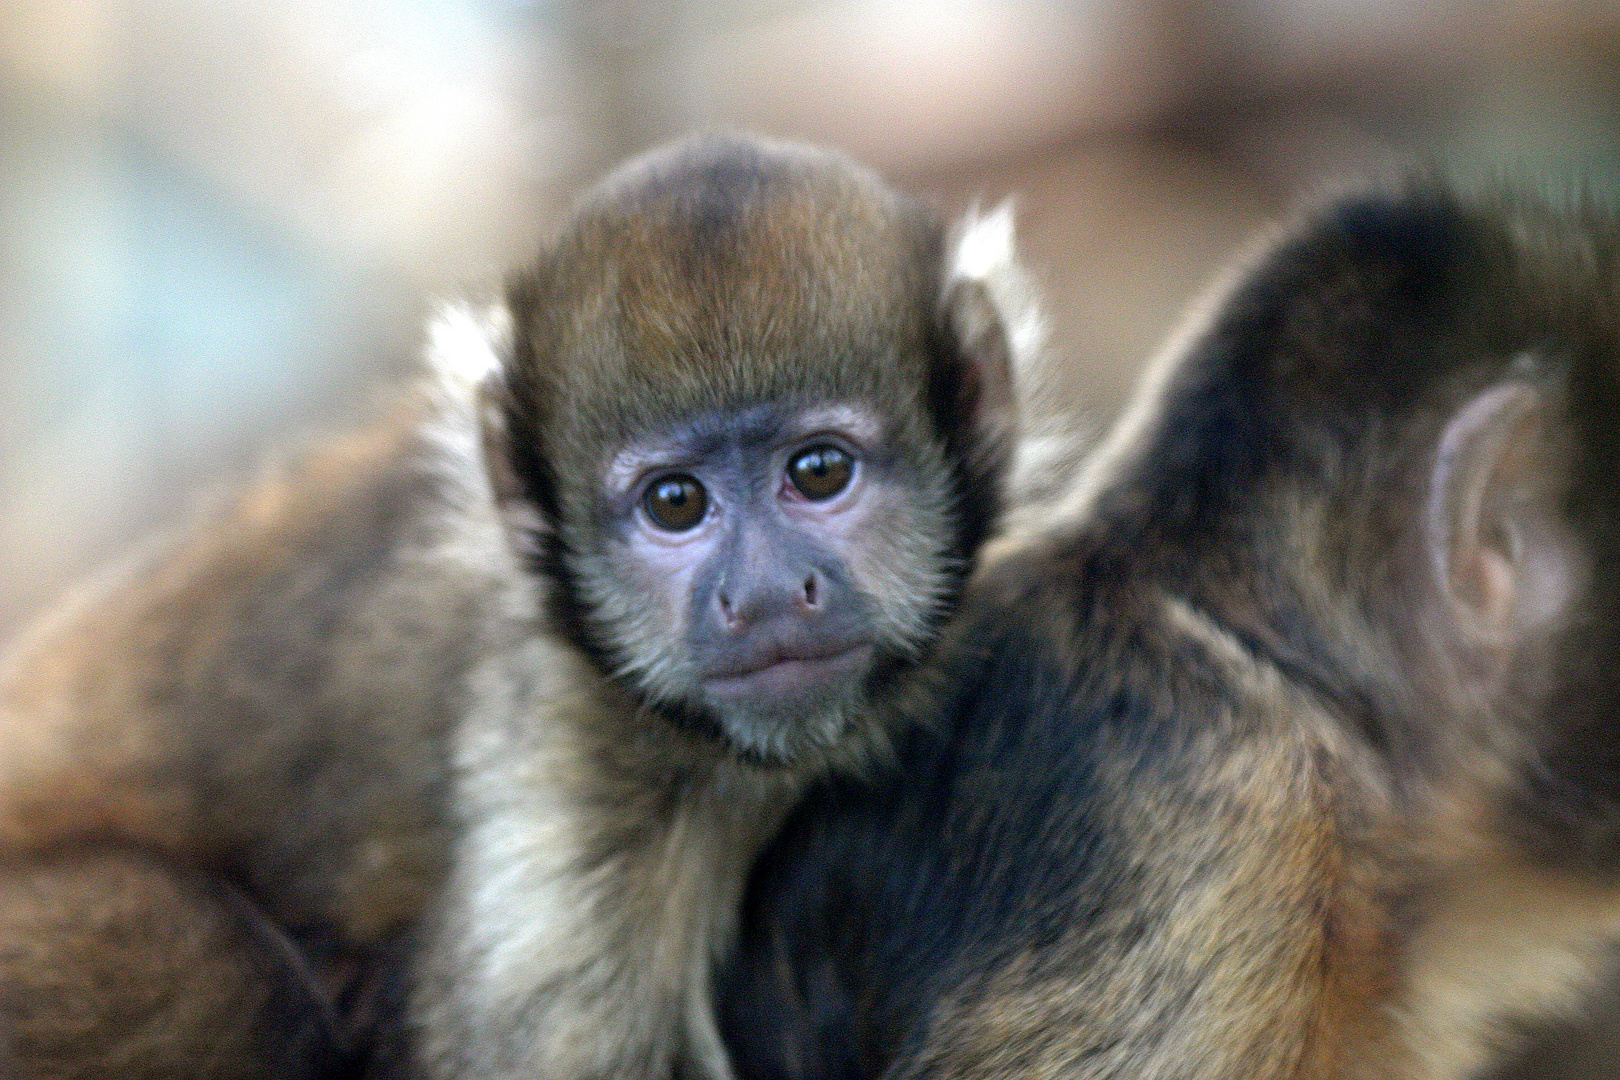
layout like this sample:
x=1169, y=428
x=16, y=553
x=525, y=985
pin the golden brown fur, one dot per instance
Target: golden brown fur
x=168, y=701
x=114, y=964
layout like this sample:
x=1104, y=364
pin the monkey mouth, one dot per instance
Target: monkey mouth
x=784, y=673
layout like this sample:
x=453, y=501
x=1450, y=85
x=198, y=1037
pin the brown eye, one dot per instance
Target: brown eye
x=676, y=502
x=821, y=472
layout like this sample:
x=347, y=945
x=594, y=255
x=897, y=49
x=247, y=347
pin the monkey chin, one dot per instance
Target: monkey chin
x=793, y=711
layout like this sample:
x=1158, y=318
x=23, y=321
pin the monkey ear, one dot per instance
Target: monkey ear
x=526, y=524
x=469, y=350
x=990, y=314
x=1500, y=562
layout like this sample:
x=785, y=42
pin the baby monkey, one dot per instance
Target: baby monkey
x=530, y=671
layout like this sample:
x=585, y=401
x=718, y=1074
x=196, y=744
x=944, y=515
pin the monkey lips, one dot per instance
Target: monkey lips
x=787, y=673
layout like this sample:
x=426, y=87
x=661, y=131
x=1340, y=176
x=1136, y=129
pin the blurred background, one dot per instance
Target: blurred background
x=222, y=222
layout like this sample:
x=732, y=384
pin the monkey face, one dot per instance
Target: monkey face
x=755, y=424
x=759, y=568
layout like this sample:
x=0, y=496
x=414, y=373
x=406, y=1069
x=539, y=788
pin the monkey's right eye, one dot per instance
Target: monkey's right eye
x=676, y=502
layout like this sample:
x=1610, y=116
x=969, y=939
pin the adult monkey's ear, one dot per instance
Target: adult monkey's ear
x=1502, y=563
x=994, y=328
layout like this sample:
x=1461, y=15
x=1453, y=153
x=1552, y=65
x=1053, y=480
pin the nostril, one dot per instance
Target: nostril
x=810, y=592
x=725, y=609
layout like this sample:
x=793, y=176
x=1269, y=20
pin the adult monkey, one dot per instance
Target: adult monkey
x=587, y=619
x=1290, y=748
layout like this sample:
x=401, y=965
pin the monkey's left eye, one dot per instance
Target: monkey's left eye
x=821, y=472
x=676, y=502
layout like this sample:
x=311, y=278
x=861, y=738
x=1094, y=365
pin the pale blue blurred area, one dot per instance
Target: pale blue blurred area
x=222, y=223
x=156, y=329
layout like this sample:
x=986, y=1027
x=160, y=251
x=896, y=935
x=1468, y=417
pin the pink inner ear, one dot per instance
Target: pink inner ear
x=1487, y=588
x=1482, y=474
x=1487, y=515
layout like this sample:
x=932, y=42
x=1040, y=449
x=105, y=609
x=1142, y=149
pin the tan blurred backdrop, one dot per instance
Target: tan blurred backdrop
x=221, y=223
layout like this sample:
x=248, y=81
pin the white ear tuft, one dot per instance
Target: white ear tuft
x=983, y=246
x=982, y=250
x=467, y=343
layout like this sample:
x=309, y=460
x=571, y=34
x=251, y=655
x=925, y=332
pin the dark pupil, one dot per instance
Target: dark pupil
x=676, y=502
x=821, y=472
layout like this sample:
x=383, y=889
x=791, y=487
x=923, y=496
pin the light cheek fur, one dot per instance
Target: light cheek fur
x=896, y=567
x=642, y=609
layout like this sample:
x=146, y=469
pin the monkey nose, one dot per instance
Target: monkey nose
x=740, y=608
